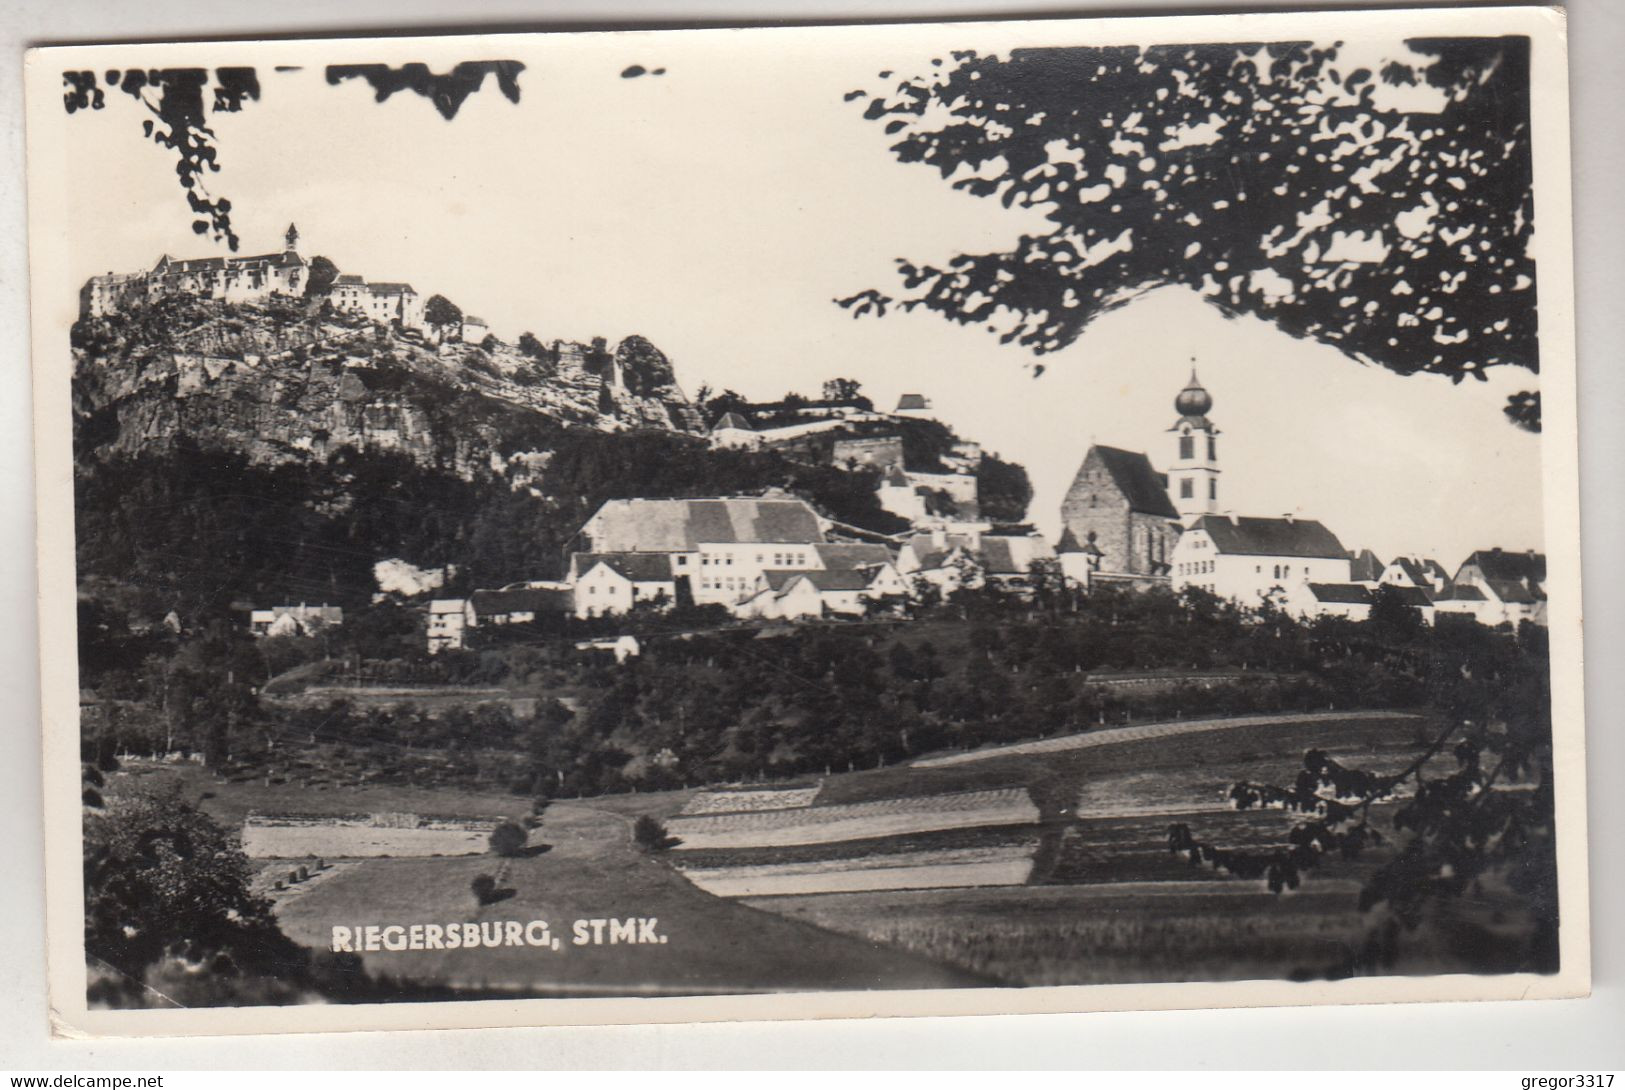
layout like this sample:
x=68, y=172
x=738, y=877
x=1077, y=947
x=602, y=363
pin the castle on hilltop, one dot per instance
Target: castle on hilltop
x=248, y=280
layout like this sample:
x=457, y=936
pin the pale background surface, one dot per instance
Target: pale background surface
x=1560, y=1035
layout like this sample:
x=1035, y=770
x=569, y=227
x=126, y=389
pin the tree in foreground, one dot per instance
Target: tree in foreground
x=1387, y=214
x=1471, y=813
x=163, y=884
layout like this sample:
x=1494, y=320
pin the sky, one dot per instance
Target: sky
x=720, y=208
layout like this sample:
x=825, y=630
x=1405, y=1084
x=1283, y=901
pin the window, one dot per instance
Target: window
x=1212, y=449
x=1185, y=488
x=1213, y=488
x=1187, y=447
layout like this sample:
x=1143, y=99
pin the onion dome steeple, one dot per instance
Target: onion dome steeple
x=1193, y=400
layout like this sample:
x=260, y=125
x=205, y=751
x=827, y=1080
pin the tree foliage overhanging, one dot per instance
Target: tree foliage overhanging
x=1386, y=213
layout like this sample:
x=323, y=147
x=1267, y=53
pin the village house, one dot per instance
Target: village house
x=622, y=647
x=299, y=620
x=608, y=583
x=1310, y=600
x=518, y=605
x=1514, y=582
x=1248, y=559
x=1424, y=573
x=717, y=547
x=733, y=432
x=386, y=302
x=1467, y=601
x=448, y=621
x=475, y=329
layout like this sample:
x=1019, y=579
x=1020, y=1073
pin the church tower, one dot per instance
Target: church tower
x=291, y=239
x=1193, y=474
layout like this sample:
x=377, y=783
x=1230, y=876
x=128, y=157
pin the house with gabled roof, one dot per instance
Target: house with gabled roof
x=733, y=431
x=608, y=583
x=1513, y=581
x=1249, y=558
x=1119, y=511
x=1422, y=572
x=1350, y=600
x=518, y=605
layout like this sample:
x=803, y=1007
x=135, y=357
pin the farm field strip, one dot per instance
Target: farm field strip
x=1013, y=872
x=732, y=802
x=358, y=841
x=825, y=824
x=1115, y=735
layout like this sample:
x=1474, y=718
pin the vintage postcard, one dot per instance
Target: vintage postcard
x=808, y=522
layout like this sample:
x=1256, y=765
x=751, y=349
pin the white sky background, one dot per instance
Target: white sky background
x=720, y=208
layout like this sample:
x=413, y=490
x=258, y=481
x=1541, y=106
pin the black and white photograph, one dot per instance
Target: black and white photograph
x=1004, y=516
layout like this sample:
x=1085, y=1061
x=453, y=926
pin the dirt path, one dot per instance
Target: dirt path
x=1141, y=731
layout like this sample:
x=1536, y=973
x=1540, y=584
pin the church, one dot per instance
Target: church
x=1121, y=519
x=1124, y=522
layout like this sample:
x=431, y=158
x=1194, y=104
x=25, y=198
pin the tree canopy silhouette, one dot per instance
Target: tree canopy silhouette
x=1385, y=213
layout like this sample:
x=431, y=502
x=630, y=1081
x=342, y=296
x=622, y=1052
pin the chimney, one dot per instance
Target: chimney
x=939, y=537
x=1231, y=515
x=1288, y=518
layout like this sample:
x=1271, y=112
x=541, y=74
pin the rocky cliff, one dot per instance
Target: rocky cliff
x=289, y=381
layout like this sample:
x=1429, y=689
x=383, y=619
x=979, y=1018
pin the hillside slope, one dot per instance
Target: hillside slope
x=287, y=381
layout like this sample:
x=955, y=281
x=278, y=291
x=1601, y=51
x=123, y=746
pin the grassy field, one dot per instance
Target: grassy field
x=591, y=870
x=1085, y=830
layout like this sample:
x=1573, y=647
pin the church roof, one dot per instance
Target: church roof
x=1271, y=537
x=1143, y=487
x=681, y=525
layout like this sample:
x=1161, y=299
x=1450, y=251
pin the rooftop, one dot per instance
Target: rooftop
x=683, y=525
x=1246, y=536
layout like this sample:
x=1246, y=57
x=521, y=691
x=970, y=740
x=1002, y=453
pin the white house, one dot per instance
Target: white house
x=1248, y=558
x=475, y=329
x=1424, y=573
x=733, y=432
x=385, y=301
x=449, y=619
x=607, y=583
x=1350, y=600
x=622, y=647
x=1515, y=582
x=299, y=620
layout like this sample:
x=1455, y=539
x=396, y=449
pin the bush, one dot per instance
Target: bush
x=651, y=835
x=509, y=838
x=483, y=887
